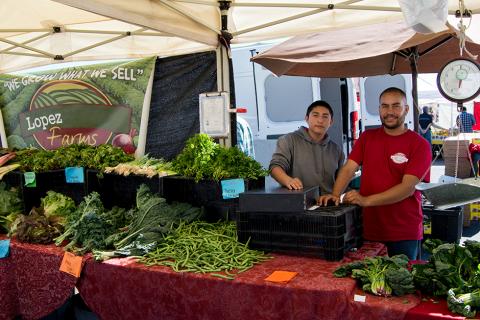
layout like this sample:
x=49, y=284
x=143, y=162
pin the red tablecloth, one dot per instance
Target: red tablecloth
x=136, y=291
x=31, y=286
x=30, y=283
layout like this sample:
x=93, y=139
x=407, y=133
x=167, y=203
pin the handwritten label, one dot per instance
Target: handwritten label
x=359, y=298
x=232, y=188
x=71, y=264
x=4, y=248
x=30, y=179
x=74, y=175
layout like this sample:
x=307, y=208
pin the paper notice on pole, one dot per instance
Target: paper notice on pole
x=214, y=117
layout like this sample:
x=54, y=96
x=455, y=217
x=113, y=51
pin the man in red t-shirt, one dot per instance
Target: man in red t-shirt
x=394, y=159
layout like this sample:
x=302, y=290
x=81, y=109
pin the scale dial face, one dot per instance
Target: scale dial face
x=459, y=80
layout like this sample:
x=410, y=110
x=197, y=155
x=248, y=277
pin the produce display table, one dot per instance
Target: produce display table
x=32, y=286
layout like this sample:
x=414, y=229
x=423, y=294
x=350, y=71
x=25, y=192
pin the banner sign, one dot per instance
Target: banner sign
x=92, y=104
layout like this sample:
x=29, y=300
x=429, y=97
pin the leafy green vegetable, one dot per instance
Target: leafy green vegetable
x=197, y=157
x=57, y=208
x=90, y=230
x=152, y=219
x=79, y=155
x=10, y=205
x=381, y=276
x=233, y=163
x=202, y=158
x=450, y=266
x=463, y=303
x=33, y=228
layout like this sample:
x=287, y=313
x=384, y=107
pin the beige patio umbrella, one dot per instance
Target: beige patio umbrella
x=385, y=48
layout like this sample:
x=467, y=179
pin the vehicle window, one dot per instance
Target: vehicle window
x=287, y=98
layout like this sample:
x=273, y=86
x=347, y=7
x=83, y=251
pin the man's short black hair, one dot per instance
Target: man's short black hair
x=320, y=103
x=464, y=109
x=393, y=90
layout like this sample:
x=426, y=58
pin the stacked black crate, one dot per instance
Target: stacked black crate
x=206, y=193
x=445, y=225
x=119, y=190
x=279, y=221
x=54, y=180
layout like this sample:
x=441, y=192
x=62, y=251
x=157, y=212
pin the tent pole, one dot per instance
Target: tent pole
x=224, y=72
x=413, y=65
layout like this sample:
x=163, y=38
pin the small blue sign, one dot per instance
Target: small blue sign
x=4, y=248
x=30, y=179
x=232, y=188
x=74, y=175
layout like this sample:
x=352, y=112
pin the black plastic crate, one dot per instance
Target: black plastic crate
x=184, y=189
x=329, y=248
x=118, y=190
x=53, y=180
x=327, y=221
x=278, y=199
x=326, y=233
x=446, y=225
x=221, y=210
x=13, y=179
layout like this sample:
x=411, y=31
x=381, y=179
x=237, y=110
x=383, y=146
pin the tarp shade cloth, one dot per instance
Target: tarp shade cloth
x=178, y=81
x=361, y=51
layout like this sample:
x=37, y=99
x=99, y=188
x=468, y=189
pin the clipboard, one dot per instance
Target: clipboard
x=214, y=114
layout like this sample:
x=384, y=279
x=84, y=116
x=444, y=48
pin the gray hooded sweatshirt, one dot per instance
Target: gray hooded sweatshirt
x=314, y=163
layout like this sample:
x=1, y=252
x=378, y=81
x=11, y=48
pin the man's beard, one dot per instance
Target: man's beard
x=400, y=123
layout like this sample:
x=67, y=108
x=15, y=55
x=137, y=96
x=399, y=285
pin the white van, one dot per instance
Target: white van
x=277, y=105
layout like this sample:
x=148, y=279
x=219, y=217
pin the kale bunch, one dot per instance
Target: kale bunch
x=151, y=220
x=90, y=225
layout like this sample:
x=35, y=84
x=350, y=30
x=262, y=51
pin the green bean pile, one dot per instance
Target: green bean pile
x=204, y=248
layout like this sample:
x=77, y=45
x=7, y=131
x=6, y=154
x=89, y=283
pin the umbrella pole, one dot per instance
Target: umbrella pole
x=413, y=65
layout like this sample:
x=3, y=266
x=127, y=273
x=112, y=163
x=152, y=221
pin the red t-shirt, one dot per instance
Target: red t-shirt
x=385, y=160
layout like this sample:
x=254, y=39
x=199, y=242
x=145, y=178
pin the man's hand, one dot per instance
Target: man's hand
x=323, y=200
x=294, y=184
x=354, y=197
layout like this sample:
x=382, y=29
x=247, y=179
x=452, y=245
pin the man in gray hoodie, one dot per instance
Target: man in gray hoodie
x=307, y=157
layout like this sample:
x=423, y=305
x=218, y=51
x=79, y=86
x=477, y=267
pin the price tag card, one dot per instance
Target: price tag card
x=74, y=175
x=71, y=264
x=281, y=276
x=4, y=248
x=30, y=179
x=232, y=188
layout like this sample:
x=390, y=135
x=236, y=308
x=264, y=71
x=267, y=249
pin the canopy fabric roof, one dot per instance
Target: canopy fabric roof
x=369, y=50
x=107, y=29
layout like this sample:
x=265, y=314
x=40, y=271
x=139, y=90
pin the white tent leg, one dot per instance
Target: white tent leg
x=3, y=135
x=223, y=83
x=142, y=135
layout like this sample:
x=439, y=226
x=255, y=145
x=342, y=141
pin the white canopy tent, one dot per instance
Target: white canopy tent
x=39, y=32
